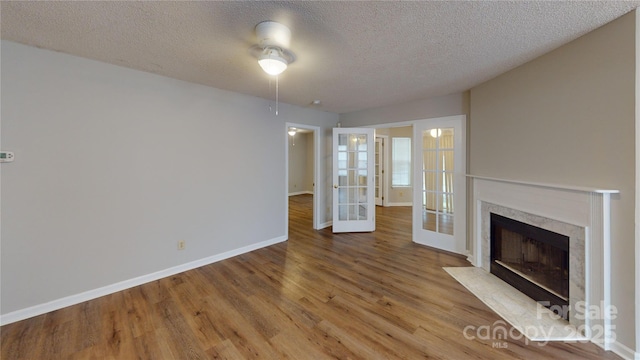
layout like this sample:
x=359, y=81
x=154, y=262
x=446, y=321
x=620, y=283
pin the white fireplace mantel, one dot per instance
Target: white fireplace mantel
x=585, y=207
x=585, y=189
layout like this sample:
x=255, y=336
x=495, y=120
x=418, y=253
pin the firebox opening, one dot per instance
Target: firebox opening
x=533, y=260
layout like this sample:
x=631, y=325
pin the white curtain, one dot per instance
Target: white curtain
x=429, y=182
x=446, y=142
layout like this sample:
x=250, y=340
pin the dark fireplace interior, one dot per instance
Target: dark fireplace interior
x=533, y=260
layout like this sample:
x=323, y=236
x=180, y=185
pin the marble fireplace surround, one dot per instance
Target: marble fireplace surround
x=581, y=213
x=576, y=236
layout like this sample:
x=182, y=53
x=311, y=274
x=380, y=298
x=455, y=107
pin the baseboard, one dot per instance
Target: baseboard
x=123, y=285
x=624, y=352
x=325, y=225
x=301, y=193
x=399, y=204
x=470, y=258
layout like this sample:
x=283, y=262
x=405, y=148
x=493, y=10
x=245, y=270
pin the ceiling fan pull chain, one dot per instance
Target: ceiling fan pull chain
x=277, y=90
x=270, y=109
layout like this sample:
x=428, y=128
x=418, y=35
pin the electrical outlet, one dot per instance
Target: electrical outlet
x=181, y=244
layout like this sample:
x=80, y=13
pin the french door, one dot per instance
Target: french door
x=439, y=195
x=379, y=171
x=353, y=180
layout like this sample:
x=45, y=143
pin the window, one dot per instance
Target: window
x=401, y=161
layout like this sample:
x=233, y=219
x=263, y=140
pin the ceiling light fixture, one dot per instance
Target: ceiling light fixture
x=272, y=50
x=435, y=133
x=292, y=131
x=271, y=61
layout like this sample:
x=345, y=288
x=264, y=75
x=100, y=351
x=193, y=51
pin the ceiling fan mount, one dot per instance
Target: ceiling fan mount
x=272, y=50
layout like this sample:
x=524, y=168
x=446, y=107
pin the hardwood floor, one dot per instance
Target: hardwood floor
x=317, y=296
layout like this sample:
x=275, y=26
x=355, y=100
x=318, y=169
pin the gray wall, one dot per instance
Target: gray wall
x=308, y=178
x=301, y=163
x=568, y=117
x=114, y=166
x=454, y=104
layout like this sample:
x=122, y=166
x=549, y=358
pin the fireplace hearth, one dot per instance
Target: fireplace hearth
x=533, y=260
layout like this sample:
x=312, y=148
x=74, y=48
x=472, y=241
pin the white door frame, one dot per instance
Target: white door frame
x=317, y=190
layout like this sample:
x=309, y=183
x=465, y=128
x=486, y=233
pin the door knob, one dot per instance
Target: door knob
x=335, y=186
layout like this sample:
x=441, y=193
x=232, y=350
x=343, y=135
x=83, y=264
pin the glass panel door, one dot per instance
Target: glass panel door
x=353, y=172
x=379, y=168
x=439, y=211
x=437, y=180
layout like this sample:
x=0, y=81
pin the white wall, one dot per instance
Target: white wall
x=568, y=117
x=114, y=166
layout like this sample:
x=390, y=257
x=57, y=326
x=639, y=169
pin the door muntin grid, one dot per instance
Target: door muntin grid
x=437, y=180
x=353, y=174
x=377, y=164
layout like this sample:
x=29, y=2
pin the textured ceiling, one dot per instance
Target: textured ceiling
x=351, y=55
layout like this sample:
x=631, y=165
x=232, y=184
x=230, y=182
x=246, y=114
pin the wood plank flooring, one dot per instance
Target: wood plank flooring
x=317, y=296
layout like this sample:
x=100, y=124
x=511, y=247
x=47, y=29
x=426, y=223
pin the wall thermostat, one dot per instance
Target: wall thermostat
x=6, y=156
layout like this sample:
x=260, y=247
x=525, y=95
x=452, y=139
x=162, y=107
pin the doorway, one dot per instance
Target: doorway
x=430, y=193
x=396, y=184
x=302, y=151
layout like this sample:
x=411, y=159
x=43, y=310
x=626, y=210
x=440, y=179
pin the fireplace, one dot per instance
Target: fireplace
x=581, y=213
x=533, y=260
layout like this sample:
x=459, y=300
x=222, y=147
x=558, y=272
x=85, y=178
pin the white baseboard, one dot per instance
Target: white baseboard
x=301, y=193
x=123, y=285
x=470, y=258
x=399, y=204
x=624, y=352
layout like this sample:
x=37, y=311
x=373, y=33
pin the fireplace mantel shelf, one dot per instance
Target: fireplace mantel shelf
x=545, y=185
